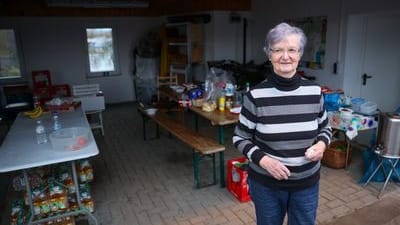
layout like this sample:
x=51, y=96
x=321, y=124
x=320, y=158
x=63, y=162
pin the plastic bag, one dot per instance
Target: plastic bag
x=371, y=161
x=216, y=82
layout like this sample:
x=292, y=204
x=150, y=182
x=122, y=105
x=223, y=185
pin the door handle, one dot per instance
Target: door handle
x=364, y=78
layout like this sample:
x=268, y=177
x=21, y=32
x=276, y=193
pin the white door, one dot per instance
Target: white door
x=382, y=61
x=378, y=47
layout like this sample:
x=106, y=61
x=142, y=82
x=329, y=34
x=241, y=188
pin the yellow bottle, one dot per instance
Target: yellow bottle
x=221, y=102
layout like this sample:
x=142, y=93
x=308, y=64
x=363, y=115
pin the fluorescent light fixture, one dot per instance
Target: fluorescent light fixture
x=99, y=3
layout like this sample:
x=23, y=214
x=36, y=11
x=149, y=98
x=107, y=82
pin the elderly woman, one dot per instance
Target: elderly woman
x=283, y=131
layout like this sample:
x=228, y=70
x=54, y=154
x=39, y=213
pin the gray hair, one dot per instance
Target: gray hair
x=280, y=32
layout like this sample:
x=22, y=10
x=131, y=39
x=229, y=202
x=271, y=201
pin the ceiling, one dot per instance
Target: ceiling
x=117, y=8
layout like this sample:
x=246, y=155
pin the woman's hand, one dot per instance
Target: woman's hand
x=277, y=169
x=316, y=151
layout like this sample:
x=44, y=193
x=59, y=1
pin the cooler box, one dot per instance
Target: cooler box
x=237, y=179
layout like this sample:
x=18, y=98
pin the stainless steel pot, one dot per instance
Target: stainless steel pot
x=389, y=134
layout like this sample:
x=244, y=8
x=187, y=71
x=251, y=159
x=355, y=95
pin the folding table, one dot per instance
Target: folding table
x=20, y=151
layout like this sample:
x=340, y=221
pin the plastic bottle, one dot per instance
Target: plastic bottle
x=229, y=89
x=221, y=102
x=41, y=137
x=247, y=86
x=229, y=101
x=243, y=92
x=208, y=83
x=56, y=121
x=208, y=87
x=36, y=102
x=238, y=98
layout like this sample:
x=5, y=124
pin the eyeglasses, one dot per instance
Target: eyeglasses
x=280, y=51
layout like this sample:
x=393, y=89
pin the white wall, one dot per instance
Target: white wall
x=266, y=15
x=224, y=39
x=58, y=45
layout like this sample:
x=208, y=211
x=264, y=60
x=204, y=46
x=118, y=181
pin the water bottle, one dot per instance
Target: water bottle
x=243, y=92
x=41, y=137
x=56, y=121
x=36, y=102
x=247, y=86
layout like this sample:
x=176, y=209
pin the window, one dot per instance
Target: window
x=101, y=52
x=9, y=57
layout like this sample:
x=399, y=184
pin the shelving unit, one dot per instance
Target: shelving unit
x=29, y=155
x=182, y=47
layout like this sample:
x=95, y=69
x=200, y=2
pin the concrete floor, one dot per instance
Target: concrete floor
x=150, y=182
x=383, y=212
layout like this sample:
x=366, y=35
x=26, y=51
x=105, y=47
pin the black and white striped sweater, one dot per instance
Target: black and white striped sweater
x=281, y=118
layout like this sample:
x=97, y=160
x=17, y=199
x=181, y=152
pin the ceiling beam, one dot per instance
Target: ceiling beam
x=40, y=8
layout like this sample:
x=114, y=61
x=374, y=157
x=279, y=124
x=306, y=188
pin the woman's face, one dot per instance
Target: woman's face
x=285, y=55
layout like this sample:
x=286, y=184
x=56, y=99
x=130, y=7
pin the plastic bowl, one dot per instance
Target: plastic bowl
x=151, y=111
x=236, y=110
x=180, y=90
x=69, y=139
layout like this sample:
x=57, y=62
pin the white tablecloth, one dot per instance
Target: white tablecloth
x=20, y=150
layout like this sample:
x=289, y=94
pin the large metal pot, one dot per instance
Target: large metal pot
x=389, y=134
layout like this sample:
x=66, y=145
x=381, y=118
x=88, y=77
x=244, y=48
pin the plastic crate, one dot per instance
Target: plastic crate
x=237, y=179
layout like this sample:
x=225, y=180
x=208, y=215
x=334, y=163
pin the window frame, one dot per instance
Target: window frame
x=116, y=71
x=20, y=55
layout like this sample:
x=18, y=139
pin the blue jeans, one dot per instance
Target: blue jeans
x=272, y=205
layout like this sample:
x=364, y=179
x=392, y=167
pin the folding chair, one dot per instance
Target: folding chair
x=92, y=103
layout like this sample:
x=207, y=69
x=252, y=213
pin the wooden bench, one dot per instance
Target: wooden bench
x=201, y=145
